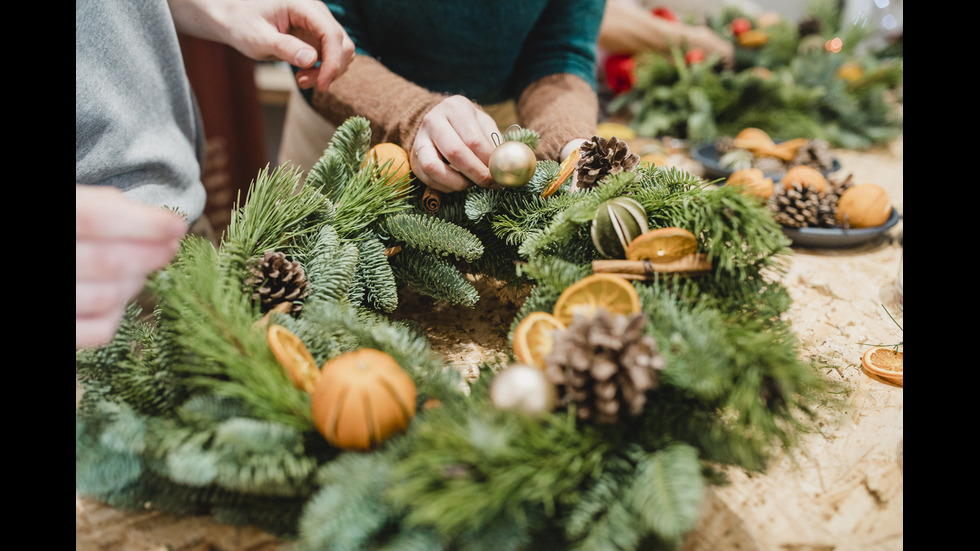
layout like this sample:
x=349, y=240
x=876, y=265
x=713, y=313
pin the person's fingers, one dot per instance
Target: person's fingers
x=96, y=330
x=98, y=298
x=429, y=167
x=103, y=212
x=99, y=260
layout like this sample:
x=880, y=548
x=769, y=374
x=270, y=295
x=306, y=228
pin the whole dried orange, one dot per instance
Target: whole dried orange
x=533, y=338
x=662, y=245
x=391, y=158
x=294, y=357
x=589, y=294
x=885, y=362
x=564, y=171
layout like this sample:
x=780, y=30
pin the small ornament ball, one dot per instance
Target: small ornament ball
x=512, y=164
x=523, y=388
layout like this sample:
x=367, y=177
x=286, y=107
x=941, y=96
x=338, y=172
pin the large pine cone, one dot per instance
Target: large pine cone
x=604, y=365
x=275, y=279
x=601, y=157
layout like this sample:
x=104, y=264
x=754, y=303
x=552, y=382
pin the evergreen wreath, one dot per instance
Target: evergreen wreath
x=189, y=410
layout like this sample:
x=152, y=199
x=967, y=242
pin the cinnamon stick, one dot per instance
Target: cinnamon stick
x=431, y=200
x=692, y=264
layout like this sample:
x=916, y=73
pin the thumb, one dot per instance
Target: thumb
x=292, y=50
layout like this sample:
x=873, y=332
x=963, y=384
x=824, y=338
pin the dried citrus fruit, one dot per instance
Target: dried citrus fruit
x=662, y=245
x=391, y=158
x=609, y=129
x=885, y=362
x=752, y=181
x=564, y=171
x=864, y=206
x=806, y=176
x=533, y=338
x=294, y=357
x=593, y=292
x=363, y=398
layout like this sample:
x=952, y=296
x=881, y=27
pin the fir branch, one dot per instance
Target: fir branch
x=331, y=328
x=348, y=511
x=212, y=322
x=466, y=466
x=434, y=277
x=330, y=264
x=526, y=135
x=333, y=173
x=277, y=210
x=431, y=235
x=375, y=276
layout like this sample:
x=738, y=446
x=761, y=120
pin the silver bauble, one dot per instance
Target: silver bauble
x=512, y=164
x=523, y=388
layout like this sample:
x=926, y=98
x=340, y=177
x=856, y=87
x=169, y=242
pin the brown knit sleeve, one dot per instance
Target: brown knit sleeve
x=561, y=108
x=393, y=105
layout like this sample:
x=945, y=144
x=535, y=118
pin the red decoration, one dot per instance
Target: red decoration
x=664, y=13
x=739, y=25
x=620, y=72
x=694, y=55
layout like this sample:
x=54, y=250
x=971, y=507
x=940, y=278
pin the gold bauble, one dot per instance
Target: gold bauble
x=512, y=164
x=523, y=388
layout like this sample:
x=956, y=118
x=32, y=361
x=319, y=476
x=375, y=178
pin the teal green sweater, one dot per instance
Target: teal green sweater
x=486, y=50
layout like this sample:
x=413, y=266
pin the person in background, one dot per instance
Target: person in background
x=440, y=79
x=629, y=28
x=138, y=135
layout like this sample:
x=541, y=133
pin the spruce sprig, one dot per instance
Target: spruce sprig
x=222, y=352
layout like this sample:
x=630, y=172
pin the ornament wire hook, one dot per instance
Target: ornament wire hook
x=496, y=137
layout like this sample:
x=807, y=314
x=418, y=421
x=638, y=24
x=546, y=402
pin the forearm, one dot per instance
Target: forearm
x=561, y=108
x=394, y=105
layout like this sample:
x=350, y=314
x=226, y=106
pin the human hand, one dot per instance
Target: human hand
x=299, y=32
x=711, y=42
x=118, y=242
x=452, y=148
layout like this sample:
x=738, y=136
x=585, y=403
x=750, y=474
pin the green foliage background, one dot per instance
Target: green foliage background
x=788, y=86
x=188, y=409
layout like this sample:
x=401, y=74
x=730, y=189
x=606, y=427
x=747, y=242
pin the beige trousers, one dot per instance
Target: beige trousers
x=305, y=134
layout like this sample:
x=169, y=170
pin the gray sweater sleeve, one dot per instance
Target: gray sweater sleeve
x=137, y=126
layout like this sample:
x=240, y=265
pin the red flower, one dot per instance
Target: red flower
x=739, y=25
x=620, y=72
x=694, y=55
x=664, y=13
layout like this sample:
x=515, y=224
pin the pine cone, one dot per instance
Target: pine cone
x=604, y=365
x=276, y=279
x=772, y=166
x=601, y=157
x=798, y=206
x=814, y=153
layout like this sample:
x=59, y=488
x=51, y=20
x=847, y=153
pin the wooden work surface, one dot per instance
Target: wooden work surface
x=842, y=491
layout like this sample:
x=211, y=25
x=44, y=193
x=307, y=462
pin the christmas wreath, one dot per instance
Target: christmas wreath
x=207, y=406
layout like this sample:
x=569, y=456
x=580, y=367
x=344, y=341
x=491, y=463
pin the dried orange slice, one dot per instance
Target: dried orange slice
x=589, y=294
x=885, y=362
x=293, y=356
x=564, y=171
x=533, y=338
x=662, y=245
